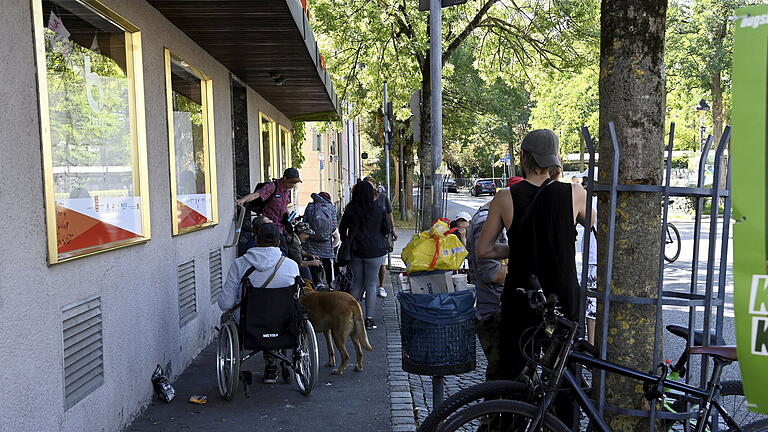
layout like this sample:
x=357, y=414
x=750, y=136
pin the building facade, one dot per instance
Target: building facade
x=129, y=128
x=332, y=162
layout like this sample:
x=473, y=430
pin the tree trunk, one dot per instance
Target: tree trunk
x=395, y=188
x=632, y=93
x=425, y=147
x=717, y=107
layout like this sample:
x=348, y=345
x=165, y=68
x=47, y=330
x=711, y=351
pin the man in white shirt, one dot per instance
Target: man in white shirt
x=264, y=258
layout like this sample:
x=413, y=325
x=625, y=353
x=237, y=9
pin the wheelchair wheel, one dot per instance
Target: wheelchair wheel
x=306, y=359
x=228, y=360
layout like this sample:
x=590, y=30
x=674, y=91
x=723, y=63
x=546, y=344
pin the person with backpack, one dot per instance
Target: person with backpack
x=272, y=199
x=263, y=266
x=320, y=214
x=363, y=229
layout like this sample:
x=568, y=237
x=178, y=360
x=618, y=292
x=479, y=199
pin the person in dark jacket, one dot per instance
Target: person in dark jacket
x=364, y=223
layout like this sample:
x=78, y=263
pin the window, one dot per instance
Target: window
x=268, y=157
x=191, y=146
x=92, y=128
x=318, y=140
x=285, y=149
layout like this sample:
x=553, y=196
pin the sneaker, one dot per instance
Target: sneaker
x=382, y=292
x=369, y=324
x=270, y=374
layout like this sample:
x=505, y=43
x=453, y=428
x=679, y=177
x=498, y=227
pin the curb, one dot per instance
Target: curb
x=401, y=404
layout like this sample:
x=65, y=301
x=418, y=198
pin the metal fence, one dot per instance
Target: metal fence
x=710, y=296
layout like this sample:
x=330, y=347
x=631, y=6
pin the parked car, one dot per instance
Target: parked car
x=450, y=185
x=483, y=186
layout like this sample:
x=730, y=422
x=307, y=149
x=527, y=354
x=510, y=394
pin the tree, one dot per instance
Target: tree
x=632, y=93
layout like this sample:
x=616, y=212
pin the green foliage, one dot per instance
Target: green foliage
x=680, y=162
x=297, y=144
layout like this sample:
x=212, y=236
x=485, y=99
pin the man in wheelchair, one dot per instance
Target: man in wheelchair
x=266, y=267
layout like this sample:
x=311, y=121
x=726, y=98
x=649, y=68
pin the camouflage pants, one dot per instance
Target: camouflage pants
x=489, y=333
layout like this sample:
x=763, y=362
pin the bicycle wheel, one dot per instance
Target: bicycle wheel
x=484, y=391
x=501, y=416
x=672, y=247
x=758, y=426
x=733, y=401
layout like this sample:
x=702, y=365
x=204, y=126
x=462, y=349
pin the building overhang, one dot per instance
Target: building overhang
x=267, y=44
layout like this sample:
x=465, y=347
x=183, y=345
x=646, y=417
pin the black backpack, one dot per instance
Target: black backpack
x=257, y=205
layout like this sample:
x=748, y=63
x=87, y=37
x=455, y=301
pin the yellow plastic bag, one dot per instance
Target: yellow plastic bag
x=436, y=249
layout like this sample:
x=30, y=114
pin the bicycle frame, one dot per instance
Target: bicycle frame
x=599, y=424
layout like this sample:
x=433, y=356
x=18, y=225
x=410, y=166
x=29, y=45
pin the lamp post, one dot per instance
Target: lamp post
x=702, y=109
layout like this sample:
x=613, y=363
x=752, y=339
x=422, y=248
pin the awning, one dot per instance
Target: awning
x=267, y=44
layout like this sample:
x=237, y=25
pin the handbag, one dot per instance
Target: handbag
x=344, y=255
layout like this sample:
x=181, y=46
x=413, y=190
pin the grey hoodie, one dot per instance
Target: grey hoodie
x=264, y=259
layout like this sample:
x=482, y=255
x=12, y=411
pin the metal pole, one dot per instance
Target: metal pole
x=493, y=168
x=387, y=132
x=403, y=209
x=436, y=107
x=438, y=389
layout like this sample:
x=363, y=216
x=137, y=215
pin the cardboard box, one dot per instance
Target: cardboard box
x=434, y=282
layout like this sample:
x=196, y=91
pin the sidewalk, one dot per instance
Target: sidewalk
x=354, y=401
x=415, y=391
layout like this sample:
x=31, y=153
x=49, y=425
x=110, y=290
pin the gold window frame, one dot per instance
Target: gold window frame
x=286, y=145
x=209, y=143
x=134, y=75
x=273, y=157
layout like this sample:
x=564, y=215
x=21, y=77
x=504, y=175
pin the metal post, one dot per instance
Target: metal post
x=436, y=107
x=438, y=389
x=493, y=168
x=403, y=196
x=387, y=136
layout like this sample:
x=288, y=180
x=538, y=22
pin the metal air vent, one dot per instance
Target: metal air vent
x=83, y=350
x=214, y=262
x=187, y=294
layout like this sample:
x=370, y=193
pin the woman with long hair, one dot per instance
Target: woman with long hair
x=364, y=224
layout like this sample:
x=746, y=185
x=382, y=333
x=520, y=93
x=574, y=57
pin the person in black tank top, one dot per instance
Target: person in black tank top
x=540, y=215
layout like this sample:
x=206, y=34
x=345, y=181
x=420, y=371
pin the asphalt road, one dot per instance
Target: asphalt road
x=677, y=277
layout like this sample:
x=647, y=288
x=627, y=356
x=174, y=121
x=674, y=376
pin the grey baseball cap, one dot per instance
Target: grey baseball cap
x=544, y=146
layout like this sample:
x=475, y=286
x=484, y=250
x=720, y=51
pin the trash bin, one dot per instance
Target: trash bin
x=438, y=333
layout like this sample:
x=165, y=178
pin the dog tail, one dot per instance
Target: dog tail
x=359, y=328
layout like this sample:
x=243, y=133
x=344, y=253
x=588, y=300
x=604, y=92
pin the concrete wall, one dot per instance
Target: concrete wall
x=137, y=284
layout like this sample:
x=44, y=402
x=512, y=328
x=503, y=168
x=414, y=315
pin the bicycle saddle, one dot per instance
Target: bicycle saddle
x=698, y=335
x=724, y=352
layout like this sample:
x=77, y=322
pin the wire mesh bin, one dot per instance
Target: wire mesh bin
x=438, y=333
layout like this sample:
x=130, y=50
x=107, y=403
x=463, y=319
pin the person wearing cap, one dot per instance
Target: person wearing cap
x=461, y=223
x=276, y=196
x=294, y=236
x=539, y=215
x=265, y=258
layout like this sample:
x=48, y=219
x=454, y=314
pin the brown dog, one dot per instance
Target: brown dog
x=339, y=316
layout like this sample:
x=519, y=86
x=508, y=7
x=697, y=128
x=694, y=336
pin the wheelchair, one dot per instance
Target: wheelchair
x=273, y=321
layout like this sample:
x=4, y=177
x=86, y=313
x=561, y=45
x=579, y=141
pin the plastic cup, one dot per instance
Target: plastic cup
x=459, y=282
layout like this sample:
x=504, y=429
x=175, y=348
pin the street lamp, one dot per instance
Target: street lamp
x=702, y=108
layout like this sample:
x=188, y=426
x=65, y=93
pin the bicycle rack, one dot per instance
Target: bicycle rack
x=694, y=297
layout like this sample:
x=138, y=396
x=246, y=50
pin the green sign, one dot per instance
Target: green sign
x=748, y=158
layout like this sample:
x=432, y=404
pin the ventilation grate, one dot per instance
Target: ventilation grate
x=187, y=294
x=214, y=262
x=83, y=350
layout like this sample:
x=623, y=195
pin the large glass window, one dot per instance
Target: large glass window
x=192, y=150
x=284, y=149
x=92, y=128
x=268, y=151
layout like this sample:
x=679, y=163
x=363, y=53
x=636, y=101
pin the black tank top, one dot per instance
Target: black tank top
x=545, y=246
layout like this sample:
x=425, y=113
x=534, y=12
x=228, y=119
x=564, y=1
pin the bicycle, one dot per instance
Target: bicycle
x=553, y=377
x=672, y=246
x=731, y=392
